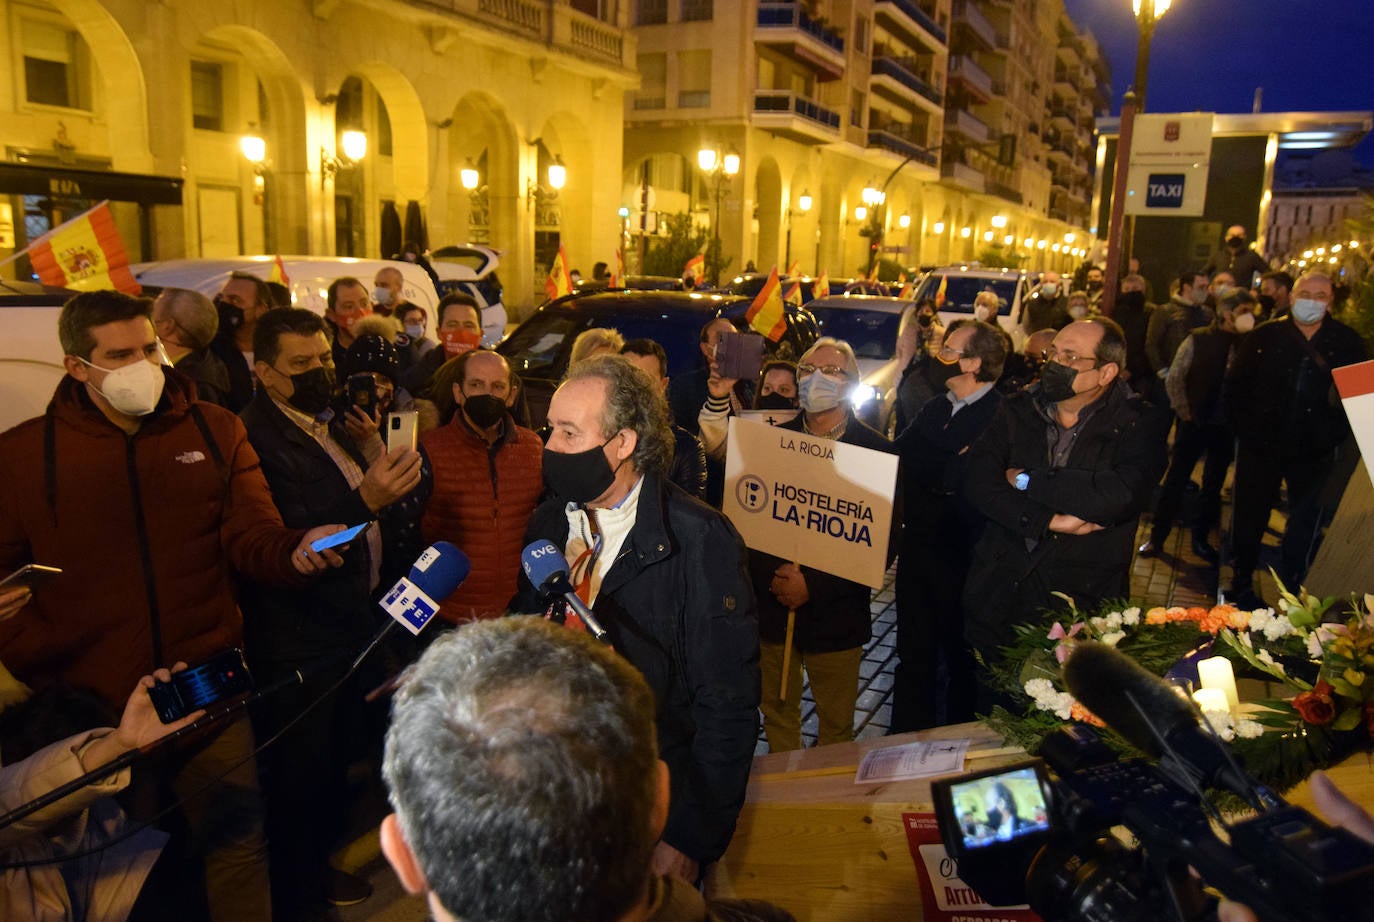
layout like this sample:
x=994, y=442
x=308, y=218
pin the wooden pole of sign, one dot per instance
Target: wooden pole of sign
x=787, y=652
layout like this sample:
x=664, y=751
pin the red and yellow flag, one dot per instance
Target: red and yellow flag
x=559, y=282
x=278, y=273
x=617, y=279
x=906, y=292
x=794, y=295
x=767, y=313
x=794, y=270
x=86, y=253
x=822, y=287
x=695, y=268
x=940, y=292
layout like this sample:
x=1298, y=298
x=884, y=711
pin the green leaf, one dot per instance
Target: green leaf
x=1348, y=719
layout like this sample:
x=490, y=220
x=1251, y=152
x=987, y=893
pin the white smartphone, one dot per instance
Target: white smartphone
x=31, y=575
x=402, y=428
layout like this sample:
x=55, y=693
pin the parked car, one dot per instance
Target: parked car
x=963, y=283
x=633, y=283
x=751, y=284
x=869, y=324
x=471, y=269
x=537, y=349
x=310, y=276
x=30, y=355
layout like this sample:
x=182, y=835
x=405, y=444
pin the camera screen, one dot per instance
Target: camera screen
x=1000, y=808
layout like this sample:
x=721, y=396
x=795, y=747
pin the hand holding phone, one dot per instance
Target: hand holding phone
x=739, y=355
x=30, y=575
x=222, y=676
x=402, y=428
x=338, y=538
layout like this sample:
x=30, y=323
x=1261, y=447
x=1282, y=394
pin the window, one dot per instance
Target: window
x=861, y=34
x=651, y=12
x=207, y=95
x=653, y=81
x=697, y=10
x=383, y=128
x=56, y=66
x=856, y=108
x=694, y=79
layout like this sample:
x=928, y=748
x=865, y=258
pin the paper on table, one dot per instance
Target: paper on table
x=922, y=759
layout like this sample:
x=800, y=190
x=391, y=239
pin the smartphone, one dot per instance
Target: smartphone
x=739, y=355
x=402, y=427
x=339, y=537
x=222, y=676
x=362, y=392
x=31, y=575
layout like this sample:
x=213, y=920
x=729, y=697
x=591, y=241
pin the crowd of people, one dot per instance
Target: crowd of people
x=198, y=448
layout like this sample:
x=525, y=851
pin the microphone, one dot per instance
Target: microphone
x=1151, y=716
x=547, y=571
x=436, y=574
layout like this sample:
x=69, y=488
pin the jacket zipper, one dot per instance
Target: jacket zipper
x=141, y=525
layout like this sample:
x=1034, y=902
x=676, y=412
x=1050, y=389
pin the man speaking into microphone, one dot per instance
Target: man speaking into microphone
x=665, y=576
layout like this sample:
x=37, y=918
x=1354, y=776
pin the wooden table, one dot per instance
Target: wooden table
x=826, y=849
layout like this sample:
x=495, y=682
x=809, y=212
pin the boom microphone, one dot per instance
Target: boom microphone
x=1150, y=715
x=547, y=571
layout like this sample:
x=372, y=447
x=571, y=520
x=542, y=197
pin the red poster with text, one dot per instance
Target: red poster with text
x=944, y=896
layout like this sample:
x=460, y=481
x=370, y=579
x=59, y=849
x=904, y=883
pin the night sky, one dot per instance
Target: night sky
x=1210, y=55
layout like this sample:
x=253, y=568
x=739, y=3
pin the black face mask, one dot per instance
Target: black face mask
x=1267, y=302
x=775, y=401
x=938, y=373
x=1132, y=299
x=311, y=390
x=484, y=410
x=1056, y=381
x=1236, y=243
x=578, y=477
x=1094, y=285
x=230, y=316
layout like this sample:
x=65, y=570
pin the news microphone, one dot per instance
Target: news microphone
x=547, y=571
x=1147, y=712
x=435, y=575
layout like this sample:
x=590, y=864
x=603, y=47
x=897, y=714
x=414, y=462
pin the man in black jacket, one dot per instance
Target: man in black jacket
x=1289, y=425
x=1061, y=475
x=665, y=575
x=689, y=458
x=317, y=473
x=939, y=532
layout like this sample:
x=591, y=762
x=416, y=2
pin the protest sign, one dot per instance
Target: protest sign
x=824, y=504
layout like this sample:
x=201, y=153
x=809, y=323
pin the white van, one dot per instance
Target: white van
x=30, y=355
x=310, y=276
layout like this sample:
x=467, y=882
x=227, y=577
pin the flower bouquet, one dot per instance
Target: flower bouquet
x=1322, y=708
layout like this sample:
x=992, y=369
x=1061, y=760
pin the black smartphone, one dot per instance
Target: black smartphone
x=739, y=355
x=31, y=575
x=222, y=676
x=362, y=392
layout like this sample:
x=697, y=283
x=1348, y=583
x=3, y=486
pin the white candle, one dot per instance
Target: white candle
x=1216, y=673
x=1210, y=699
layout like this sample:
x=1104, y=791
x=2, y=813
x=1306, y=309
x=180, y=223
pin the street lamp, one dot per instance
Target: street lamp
x=720, y=169
x=1147, y=15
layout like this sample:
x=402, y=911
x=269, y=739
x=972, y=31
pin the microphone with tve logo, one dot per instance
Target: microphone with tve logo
x=547, y=571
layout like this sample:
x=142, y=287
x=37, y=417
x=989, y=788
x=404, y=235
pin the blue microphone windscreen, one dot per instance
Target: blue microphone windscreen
x=541, y=561
x=440, y=570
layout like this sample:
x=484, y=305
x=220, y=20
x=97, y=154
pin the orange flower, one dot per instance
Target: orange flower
x=1156, y=616
x=1081, y=714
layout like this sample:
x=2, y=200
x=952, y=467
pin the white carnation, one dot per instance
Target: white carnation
x=1131, y=616
x=1113, y=638
x=1114, y=620
x=1098, y=624
x=1221, y=722
x=1265, y=657
x=1248, y=729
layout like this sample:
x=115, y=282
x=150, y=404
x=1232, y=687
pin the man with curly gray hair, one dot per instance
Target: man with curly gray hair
x=527, y=787
x=666, y=577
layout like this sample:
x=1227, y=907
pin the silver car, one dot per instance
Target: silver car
x=869, y=323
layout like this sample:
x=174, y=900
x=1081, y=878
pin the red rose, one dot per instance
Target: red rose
x=1316, y=706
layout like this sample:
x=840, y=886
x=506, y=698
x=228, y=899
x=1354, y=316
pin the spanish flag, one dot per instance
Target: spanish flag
x=278, y=273
x=559, y=282
x=617, y=279
x=695, y=268
x=906, y=291
x=940, y=292
x=794, y=270
x=767, y=313
x=794, y=295
x=822, y=287
x=85, y=253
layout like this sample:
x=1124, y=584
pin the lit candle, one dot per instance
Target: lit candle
x=1210, y=699
x=1216, y=673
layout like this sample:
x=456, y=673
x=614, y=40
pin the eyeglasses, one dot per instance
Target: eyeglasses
x=952, y=355
x=1068, y=358
x=830, y=371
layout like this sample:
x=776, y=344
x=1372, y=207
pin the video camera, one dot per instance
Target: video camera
x=1042, y=831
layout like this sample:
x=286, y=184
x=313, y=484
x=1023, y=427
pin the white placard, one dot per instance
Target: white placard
x=1355, y=383
x=821, y=503
x=923, y=759
x=1170, y=157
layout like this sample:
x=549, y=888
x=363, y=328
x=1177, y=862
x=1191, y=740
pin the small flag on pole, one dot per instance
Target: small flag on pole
x=794, y=270
x=767, y=315
x=822, y=287
x=794, y=295
x=940, y=292
x=695, y=268
x=85, y=253
x=617, y=279
x=559, y=282
x=278, y=273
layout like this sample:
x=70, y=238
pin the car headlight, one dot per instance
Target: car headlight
x=862, y=394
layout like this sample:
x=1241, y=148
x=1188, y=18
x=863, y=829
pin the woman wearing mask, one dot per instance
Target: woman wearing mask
x=832, y=621
x=918, y=336
x=776, y=391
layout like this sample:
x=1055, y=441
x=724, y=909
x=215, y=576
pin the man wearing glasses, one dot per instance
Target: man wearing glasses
x=1061, y=475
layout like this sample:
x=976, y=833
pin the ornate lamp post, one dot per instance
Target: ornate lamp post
x=720, y=169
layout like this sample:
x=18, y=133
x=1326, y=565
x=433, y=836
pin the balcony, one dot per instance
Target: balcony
x=1061, y=118
x=958, y=121
x=900, y=80
x=912, y=24
x=897, y=144
x=787, y=29
x=968, y=16
x=1066, y=82
x=694, y=99
x=795, y=117
x=1007, y=193
x=962, y=175
x=976, y=80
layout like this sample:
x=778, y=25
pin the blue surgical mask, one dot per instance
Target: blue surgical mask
x=817, y=393
x=415, y=330
x=1308, y=310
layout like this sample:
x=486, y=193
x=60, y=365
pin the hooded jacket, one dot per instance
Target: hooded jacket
x=148, y=530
